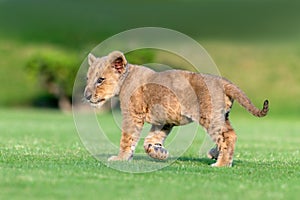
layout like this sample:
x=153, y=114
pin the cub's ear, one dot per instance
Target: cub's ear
x=118, y=61
x=91, y=59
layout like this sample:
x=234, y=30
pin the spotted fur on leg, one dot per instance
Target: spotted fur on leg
x=226, y=144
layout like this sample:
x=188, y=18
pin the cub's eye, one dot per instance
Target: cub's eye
x=100, y=80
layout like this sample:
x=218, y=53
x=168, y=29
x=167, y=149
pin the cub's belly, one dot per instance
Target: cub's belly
x=160, y=115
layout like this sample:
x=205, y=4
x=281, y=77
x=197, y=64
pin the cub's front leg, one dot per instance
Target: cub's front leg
x=131, y=130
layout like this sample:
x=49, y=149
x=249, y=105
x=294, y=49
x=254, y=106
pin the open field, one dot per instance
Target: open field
x=255, y=44
x=41, y=157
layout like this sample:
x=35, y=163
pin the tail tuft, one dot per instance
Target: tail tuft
x=263, y=112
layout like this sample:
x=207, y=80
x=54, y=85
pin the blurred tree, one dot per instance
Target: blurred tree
x=55, y=71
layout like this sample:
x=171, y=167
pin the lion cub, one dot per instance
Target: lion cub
x=166, y=99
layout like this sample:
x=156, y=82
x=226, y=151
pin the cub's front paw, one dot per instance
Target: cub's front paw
x=114, y=158
x=221, y=165
x=119, y=158
x=157, y=151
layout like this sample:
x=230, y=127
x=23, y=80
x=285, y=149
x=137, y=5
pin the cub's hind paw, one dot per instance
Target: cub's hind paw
x=157, y=151
x=213, y=153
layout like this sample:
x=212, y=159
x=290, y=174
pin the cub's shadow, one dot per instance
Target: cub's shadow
x=145, y=159
x=208, y=161
x=205, y=161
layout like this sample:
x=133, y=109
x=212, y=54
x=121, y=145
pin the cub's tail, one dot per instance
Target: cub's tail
x=236, y=93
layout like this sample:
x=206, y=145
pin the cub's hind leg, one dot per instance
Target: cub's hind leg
x=225, y=139
x=154, y=142
x=214, y=152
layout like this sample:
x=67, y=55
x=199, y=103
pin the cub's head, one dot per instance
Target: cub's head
x=103, y=77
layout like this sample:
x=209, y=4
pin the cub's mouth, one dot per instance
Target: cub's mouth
x=97, y=103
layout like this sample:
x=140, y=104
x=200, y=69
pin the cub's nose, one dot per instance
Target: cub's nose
x=88, y=94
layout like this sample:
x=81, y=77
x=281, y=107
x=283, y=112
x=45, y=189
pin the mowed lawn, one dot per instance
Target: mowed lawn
x=41, y=157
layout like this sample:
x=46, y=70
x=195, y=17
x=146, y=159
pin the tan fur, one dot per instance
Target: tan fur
x=166, y=99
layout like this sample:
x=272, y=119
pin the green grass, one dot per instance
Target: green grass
x=41, y=157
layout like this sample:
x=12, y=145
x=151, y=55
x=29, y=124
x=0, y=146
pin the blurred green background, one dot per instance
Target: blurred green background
x=255, y=44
